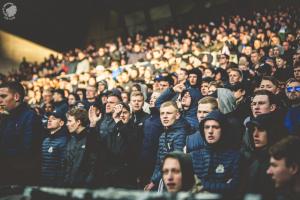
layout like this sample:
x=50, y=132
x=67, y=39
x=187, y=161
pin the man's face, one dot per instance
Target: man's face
x=268, y=85
x=193, y=79
x=182, y=76
x=204, y=88
x=163, y=85
x=186, y=100
x=72, y=124
x=136, y=103
x=280, y=62
x=168, y=116
x=8, y=99
x=260, y=137
x=153, y=99
x=101, y=87
x=56, y=97
x=54, y=123
x=293, y=91
x=297, y=73
x=47, y=97
x=212, y=131
x=172, y=175
x=280, y=173
x=223, y=60
x=48, y=108
x=125, y=98
x=261, y=105
x=110, y=104
x=90, y=92
x=125, y=116
x=234, y=77
x=203, y=111
x=254, y=58
x=71, y=100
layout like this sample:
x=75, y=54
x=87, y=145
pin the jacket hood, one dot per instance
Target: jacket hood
x=195, y=95
x=226, y=138
x=226, y=99
x=275, y=131
x=199, y=76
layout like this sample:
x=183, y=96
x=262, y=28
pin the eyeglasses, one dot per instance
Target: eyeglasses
x=291, y=89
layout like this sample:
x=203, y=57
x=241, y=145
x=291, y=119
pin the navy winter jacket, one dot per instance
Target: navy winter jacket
x=217, y=165
x=20, y=139
x=152, y=131
x=172, y=139
x=194, y=142
x=53, y=154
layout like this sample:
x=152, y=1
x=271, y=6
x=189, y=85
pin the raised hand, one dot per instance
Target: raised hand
x=179, y=88
x=117, y=112
x=93, y=116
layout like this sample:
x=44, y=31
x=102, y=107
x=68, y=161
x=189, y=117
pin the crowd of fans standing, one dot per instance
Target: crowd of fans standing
x=227, y=94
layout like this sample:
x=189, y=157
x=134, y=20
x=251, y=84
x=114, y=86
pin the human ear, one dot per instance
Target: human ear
x=17, y=97
x=273, y=107
x=177, y=115
x=294, y=169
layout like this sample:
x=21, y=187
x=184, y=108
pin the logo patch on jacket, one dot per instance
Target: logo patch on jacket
x=220, y=169
x=50, y=150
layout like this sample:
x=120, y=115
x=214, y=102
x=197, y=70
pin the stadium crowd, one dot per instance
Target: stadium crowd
x=206, y=108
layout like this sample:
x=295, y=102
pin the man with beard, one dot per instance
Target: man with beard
x=292, y=118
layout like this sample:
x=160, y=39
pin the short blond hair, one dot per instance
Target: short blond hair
x=209, y=100
x=136, y=94
x=170, y=103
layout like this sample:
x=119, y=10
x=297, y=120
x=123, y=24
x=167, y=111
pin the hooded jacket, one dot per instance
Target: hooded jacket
x=258, y=180
x=217, y=165
x=172, y=139
x=190, y=115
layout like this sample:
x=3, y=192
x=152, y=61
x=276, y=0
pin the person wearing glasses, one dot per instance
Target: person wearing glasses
x=292, y=118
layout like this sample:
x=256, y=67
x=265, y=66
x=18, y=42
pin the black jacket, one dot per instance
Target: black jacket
x=81, y=159
x=121, y=153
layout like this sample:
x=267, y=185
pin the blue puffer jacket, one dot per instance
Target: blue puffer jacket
x=152, y=131
x=172, y=139
x=194, y=142
x=53, y=153
x=217, y=165
x=191, y=113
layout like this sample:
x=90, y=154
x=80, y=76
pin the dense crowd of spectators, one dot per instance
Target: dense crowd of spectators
x=226, y=93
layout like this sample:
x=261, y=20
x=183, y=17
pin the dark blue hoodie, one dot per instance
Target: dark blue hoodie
x=217, y=165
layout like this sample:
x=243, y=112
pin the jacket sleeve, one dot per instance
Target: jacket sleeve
x=225, y=186
x=167, y=95
x=32, y=133
x=179, y=142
